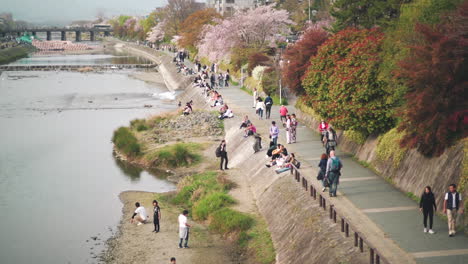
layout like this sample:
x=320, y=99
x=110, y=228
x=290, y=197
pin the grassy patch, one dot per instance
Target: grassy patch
x=15, y=53
x=206, y=197
x=227, y=221
x=389, y=148
x=176, y=155
x=139, y=125
x=413, y=197
x=245, y=89
x=210, y=204
x=126, y=142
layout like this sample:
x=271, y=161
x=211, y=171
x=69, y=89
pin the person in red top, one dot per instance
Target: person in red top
x=283, y=113
x=322, y=128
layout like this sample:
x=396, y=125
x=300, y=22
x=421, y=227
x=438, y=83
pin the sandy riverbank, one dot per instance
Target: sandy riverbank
x=138, y=244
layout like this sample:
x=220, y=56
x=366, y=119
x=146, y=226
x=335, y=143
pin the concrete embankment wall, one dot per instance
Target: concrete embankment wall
x=173, y=80
x=414, y=172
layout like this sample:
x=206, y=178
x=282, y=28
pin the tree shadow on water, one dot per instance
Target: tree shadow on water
x=134, y=172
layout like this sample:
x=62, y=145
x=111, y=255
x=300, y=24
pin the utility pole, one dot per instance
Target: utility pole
x=309, y=11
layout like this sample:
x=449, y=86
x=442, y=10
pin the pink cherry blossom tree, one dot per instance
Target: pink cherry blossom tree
x=157, y=32
x=255, y=29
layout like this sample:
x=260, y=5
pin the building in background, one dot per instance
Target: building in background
x=228, y=7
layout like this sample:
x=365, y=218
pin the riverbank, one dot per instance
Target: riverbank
x=15, y=53
x=138, y=244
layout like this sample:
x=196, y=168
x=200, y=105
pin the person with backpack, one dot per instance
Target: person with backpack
x=268, y=105
x=333, y=172
x=330, y=140
x=221, y=152
x=452, y=206
x=427, y=206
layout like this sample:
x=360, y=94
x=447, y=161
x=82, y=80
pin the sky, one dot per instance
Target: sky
x=65, y=11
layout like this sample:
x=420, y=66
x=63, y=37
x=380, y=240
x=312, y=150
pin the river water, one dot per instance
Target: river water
x=59, y=182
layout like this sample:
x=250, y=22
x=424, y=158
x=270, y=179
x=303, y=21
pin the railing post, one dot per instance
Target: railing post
x=377, y=259
x=347, y=230
x=342, y=225
x=324, y=204
x=371, y=256
x=320, y=200
x=312, y=190
x=331, y=211
x=361, y=244
x=356, y=239
x=334, y=215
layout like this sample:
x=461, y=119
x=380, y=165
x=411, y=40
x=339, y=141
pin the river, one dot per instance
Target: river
x=59, y=182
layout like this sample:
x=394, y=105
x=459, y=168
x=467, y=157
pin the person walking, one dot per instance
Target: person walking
x=140, y=215
x=322, y=171
x=293, y=128
x=173, y=260
x=224, y=157
x=283, y=113
x=274, y=132
x=330, y=140
x=156, y=216
x=427, y=206
x=322, y=128
x=227, y=78
x=333, y=172
x=255, y=96
x=184, y=229
x=260, y=107
x=268, y=105
x=288, y=129
x=452, y=207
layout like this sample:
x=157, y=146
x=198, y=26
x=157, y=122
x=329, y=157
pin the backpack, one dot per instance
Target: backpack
x=268, y=101
x=335, y=165
x=218, y=152
x=330, y=136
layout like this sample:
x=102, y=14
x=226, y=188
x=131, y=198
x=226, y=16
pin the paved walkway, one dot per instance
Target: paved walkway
x=396, y=214
x=389, y=208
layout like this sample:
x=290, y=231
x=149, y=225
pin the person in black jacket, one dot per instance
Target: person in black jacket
x=224, y=157
x=323, y=169
x=427, y=206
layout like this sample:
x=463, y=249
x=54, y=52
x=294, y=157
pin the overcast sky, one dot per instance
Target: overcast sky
x=69, y=10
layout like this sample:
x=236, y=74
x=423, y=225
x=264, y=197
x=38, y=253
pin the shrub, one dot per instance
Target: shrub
x=176, y=155
x=209, y=204
x=434, y=116
x=270, y=81
x=139, y=125
x=355, y=136
x=342, y=85
x=126, y=142
x=388, y=147
x=227, y=221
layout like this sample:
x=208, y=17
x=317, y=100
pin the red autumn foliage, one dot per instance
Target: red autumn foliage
x=257, y=59
x=297, y=57
x=436, y=113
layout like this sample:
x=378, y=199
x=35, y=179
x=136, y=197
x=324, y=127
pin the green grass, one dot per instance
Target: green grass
x=301, y=105
x=15, y=53
x=245, y=89
x=139, y=125
x=209, y=204
x=413, y=197
x=175, y=155
x=126, y=142
x=227, y=221
x=206, y=196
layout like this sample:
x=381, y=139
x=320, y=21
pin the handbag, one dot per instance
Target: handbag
x=320, y=175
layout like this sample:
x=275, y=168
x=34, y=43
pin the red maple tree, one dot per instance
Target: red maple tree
x=436, y=73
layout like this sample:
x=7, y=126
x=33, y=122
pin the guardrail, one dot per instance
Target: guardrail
x=374, y=256
x=74, y=67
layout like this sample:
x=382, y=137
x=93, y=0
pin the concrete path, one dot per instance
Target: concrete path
x=397, y=215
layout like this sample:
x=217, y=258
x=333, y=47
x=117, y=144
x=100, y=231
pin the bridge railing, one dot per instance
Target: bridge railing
x=346, y=227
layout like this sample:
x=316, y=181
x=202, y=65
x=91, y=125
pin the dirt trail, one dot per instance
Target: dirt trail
x=139, y=245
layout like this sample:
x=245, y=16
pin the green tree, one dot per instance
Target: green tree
x=364, y=13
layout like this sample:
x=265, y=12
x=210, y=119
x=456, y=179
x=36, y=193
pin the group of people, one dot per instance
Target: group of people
x=141, y=217
x=327, y=136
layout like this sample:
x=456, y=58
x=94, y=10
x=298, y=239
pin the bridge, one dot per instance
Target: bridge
x=63, y=31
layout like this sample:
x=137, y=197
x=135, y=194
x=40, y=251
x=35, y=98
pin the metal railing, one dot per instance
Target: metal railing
x=374, y=256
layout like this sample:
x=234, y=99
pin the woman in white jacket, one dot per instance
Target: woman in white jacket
x=260, y=107
x=288, y=129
